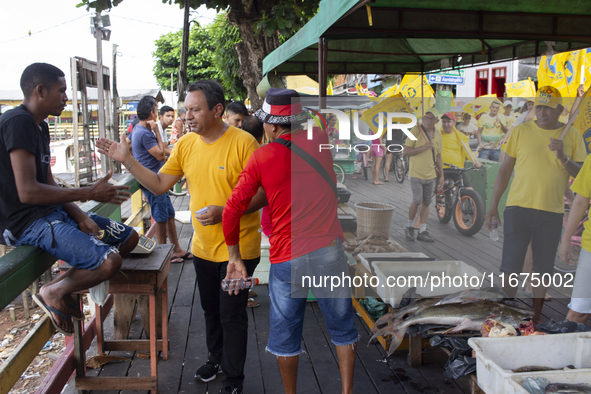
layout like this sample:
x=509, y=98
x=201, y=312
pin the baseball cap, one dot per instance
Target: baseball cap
x=508, y=102
x=449, y=115
x=434, y=112
x=548, y=96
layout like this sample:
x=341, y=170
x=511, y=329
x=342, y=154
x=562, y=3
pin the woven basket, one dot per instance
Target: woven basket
x=374, y=218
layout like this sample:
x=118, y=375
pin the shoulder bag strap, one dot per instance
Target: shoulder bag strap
x=308, y=158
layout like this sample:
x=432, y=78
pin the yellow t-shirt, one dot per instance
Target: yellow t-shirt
x=453, y=152
x=582, y=186
x=212, y=171
x=422, y=165
x=507, y=121
x=491, y=131
x=540, y=178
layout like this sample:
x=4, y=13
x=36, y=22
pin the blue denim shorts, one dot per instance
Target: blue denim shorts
x=59, y=235
x=287, y=309
x=161, y=207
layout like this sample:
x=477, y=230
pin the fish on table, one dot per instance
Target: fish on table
x=567, y=388
x=461, y=317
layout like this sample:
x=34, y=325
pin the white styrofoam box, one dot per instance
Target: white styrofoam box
x=497, y=357
x=368, y=258
x=573, y=377
x=417, y=273
x=262, y=270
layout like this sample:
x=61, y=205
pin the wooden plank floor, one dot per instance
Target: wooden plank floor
x=478, y=250
x=318, y=368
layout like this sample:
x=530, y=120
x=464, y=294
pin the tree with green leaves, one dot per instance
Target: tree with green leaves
x=260, y=22
x=200, y=60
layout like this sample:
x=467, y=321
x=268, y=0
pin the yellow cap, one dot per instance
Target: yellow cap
x=548, y=96
x=433, y=112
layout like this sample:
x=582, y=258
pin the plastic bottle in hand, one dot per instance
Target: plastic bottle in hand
x=494, y=232
x=239, y=284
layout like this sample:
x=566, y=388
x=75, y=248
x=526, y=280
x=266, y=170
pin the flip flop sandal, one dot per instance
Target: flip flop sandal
x=175, y=260
x=186, y=256
x=74, y=308
x=252, y=293
x=50, y=310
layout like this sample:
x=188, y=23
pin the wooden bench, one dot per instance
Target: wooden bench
x=139, y=275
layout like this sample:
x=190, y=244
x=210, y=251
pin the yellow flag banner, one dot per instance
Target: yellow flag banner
x=525, y=88
x=388, y=104
x=481, y=104
x=583, y=121
x=410, y=87
x=390, y=92
x=565, y=71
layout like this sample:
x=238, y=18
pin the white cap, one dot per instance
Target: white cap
x=508, y=102
x=521, y=103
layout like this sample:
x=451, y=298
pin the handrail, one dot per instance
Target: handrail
x=23, y=265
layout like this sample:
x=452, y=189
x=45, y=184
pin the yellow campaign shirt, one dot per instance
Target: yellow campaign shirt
x=491, y=131
x=422, y=165
x=506, y=121
x=582, y=186
x=540, y=179
x=212, y=172
x=453, y=152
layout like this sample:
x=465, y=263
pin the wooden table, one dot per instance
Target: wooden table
x=139, y=275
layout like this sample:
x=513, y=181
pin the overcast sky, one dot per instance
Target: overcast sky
x=60, y=31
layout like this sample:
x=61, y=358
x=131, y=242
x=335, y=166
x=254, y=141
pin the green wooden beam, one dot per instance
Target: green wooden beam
x=23, y=265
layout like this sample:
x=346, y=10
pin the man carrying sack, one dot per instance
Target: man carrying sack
x=426, y=169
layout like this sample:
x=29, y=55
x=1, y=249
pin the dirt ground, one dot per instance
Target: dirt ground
x=11, y=335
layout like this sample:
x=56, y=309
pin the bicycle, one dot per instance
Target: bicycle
x=571, y=267
x=398, y=166
x=464, y=205
x=339, y=172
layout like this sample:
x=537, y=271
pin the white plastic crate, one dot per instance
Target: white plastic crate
x=421, y=271
x=497, y=357
x=367, y=259
x=573, y=377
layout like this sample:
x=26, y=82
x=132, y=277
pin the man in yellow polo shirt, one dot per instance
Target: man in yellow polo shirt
x=425, y=158
x=454, y=152
x=489, y=133
x=543, y=164
x=211, y=158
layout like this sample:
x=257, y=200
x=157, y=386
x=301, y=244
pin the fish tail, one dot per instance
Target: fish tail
x=384, y=319
x=397, y=338
x=382, y=331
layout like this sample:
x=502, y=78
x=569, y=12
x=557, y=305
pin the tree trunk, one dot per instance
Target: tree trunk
x=253, y=48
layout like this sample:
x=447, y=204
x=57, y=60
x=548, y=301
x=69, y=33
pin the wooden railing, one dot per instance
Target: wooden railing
x=21, y=267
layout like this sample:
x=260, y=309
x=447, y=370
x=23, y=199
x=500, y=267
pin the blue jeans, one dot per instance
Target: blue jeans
x=59, y=235
x=161, y=207
x=489, y=154
x=288, y=308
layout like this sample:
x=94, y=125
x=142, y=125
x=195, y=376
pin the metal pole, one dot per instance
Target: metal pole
x=74, y=73
x=98, y=34
x=171, y=89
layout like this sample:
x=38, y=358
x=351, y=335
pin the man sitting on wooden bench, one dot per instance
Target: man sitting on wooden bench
x=35, y=211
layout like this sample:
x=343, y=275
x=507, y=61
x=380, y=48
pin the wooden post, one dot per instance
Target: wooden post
x=12, y=314
x=74, y=73
x=25, y=296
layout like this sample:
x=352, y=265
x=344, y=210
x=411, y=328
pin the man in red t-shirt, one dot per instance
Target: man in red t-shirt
x=306, y=238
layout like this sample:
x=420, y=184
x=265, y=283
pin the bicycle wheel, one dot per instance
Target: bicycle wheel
x=443, y=206
x=400, y=169
x=469, y=213
x=406, y=165
x=339, y=172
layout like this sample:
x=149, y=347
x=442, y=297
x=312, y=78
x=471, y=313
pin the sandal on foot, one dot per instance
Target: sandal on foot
x=50, y=311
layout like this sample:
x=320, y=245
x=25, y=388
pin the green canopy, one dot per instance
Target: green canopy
x=428, y=35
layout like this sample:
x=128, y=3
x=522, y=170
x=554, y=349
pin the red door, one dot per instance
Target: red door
x=481, y=82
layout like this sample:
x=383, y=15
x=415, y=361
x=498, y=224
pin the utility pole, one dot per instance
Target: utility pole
x=116, y=107
x=98, y=34
x=182, y=82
